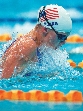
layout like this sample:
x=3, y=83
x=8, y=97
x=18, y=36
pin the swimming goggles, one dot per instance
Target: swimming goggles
x=61, y=36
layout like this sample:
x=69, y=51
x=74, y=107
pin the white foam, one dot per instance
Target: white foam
x=52, y=62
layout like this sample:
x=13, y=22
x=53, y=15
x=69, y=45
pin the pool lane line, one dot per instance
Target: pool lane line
x=38, y=95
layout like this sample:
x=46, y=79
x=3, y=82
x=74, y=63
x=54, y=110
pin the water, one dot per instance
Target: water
x=42, y=106
x=23, y=15
x=19, y=18
x=53, y=72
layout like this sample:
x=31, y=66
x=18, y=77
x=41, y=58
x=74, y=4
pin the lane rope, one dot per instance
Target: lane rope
x=38, y=95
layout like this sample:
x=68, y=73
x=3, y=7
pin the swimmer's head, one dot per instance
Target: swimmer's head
x=55, y=17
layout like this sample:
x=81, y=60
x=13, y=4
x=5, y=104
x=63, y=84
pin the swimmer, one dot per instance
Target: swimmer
x=53, y=27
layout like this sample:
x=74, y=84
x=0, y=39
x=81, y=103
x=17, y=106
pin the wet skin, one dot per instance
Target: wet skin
x=24, y=49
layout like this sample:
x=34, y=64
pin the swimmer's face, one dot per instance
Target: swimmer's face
x=53, y=39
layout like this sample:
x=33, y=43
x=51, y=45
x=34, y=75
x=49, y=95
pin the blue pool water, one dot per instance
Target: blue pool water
x=42, y=106
x=21, y=18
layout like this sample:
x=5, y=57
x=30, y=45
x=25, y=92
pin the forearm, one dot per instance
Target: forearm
x=9, y=61
x=8, y=69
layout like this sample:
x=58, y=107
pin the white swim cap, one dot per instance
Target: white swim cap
x=57, y=16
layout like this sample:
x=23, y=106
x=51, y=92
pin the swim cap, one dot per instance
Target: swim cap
x=57, y=16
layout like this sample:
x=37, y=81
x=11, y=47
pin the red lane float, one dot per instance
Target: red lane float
x=72, y=63
x=5, y=37
x=80, y=65
x=74, y=96
x=56, y=96
x=38, y=95
x=75, y=39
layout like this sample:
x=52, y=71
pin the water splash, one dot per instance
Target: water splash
x=51, y=62
x=46, y=73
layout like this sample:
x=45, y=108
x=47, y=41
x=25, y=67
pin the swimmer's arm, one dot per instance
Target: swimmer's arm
x=23, y=47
